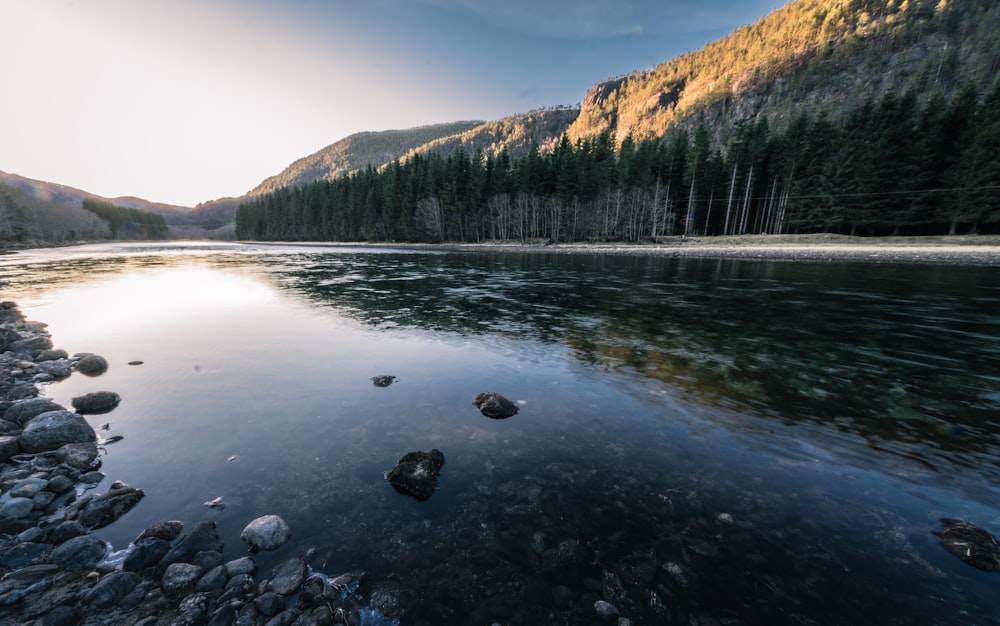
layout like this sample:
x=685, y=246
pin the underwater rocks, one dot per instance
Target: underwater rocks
x=974, y=545
x=416, y=474
x=383, y=381
x=493, y=405
x=96, y=402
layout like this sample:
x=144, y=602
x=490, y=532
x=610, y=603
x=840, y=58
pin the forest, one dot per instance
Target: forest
x=898, y=165
x=126, y=222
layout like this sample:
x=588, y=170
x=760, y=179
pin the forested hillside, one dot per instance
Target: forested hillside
x=866, y=117
x=818, y=55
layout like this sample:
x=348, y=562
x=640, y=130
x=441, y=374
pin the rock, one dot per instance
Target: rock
x=146, y=552
x=605, y=610
x=31, y=345
x=383, y=381
x=180, y=577
x=974, y=545
x=54, y=370
x=79, y=553
x=288, y=576
x=110, y=590
x=78, y=455
x=208, y=559
x=92, y=477
x=391, y=599
x=202, y=537
x=54, y=429
x=266, y=533
x=22, y=554
x=43, y=499
x=96, y=402
x=51, y=355
x=269, y=604
x=243, y=565
x=28, y=487
x=17, y=508
x=493, y=405
x=9, y=446
x=23, y=410
x=92, y=365
x=60, y=484
x=213, y=582
x=108, y=507
x=63, y=616
x=167, y=531
x=64, y=531
x=416, y=474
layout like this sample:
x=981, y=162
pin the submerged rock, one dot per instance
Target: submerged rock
x=493, y=405
x=96, y=402
x=266, y=533
x=92, y=365
x=106, y=508
x=416, y=474
x=974, y=545
x=383, y=381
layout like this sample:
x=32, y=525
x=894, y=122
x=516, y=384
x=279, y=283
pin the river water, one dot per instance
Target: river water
x=698, y=441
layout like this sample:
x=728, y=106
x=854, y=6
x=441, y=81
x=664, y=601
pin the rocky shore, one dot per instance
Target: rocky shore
x=55, y=572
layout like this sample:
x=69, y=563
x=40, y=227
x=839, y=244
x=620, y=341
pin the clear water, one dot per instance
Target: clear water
x=699, y=441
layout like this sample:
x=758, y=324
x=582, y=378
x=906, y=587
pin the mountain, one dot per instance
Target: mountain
x=357, y=152
x=812, y=54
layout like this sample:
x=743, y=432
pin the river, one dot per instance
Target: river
x=698, y=440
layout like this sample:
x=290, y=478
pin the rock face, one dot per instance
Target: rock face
x=53, y=429
x=266, y=533
x=96, y=402
x=493, y=405
x=416, y=474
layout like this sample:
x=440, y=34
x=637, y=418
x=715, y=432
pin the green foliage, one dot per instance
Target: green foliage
x=128, y=223
x=890, y=167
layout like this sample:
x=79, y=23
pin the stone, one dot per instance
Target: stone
x=22, y=554
x=54, y=370
x=108, y=507
x=974, y=545
x=28, y=487
x=180, y=577
x=17, y=508
x=213, y=581
x=9, y=446
x=242, y=565
x=202, y=537
x=79, y=553
x=96, y=402
x=269, y=604
x=383, y=381
x=416, y=474
x=268, y=532
x=23, y=410
x=31, y=345
x=493, y=405
x=51, y=355
x=110, y=589
x=92, y=365
x=64, y=531
x=605, y=610
x=60, y=484
x=167, y=531
x=288, y=576
x=53, y=429
x=43, y=499
x=63, y=615
x=78, y=455
x=146, y=552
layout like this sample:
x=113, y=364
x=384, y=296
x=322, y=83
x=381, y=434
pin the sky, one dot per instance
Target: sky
x=185, y=101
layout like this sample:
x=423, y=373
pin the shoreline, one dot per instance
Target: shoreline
x=968, y=250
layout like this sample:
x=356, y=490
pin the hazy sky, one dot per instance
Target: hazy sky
x=182, y=101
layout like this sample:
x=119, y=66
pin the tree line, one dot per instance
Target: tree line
x=901, y=164
x=126, y=222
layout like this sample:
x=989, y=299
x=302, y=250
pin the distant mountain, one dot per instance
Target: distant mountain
x=825, y=55
x=357, y=152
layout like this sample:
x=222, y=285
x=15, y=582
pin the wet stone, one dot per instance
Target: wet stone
x=146, y=552
x=96, y=402
x=110, y=590
x=64, y=531
x=383, y=381
x=493, y=405
x=167, y=531
x=92, y=365
x=54, y=429
x=108, y=507
x=9, y=447
x=23, y=410
x=59, y=484
x=22, y=554
x=288, y=576
x=974, y=545
x=78, y=455
x=268, y=532
x=28, y=487
x=180, y=577
x=79, y=553
x=243, y=565
x=416, y=474
x=17, y=508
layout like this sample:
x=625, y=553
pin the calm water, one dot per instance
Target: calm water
x=699, y=441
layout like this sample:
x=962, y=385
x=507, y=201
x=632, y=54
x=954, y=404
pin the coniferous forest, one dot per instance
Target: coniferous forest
x=899, y=165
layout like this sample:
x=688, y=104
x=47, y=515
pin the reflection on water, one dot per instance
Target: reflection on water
x=698, y=439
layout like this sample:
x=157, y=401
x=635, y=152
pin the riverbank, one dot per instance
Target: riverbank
x=977, y=250
x=55, y=571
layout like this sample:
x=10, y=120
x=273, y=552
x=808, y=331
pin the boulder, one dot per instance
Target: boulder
x=974, y=545
x=78, y=455
x=167, y=531
x=10, y=445
x=79, y=553
x=146, y=552
x=96, y=402
x=108, y=507
x=92, y=365
x=54, y=429
x=266, y=533
x=416, y=474
x=23, y=410
x=110, y=590
x=493, y=405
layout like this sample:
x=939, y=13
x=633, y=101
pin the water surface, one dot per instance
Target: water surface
x=741, y=441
